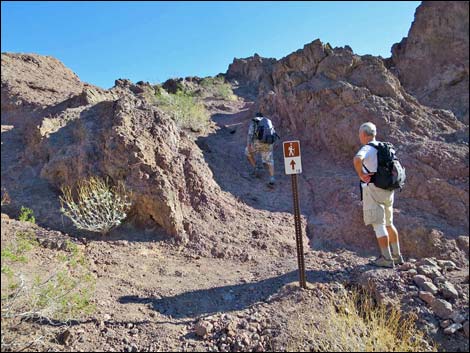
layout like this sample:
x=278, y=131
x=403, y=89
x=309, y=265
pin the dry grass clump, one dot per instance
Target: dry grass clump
x=354, y=323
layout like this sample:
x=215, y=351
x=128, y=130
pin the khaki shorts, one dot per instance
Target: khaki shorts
x=264, y=149
x=377, y=204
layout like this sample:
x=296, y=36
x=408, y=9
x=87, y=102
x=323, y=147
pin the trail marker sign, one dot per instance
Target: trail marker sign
x=293, y=166
x=292, y=159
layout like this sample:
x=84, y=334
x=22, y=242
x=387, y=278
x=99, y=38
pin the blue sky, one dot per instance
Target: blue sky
x=153, y=41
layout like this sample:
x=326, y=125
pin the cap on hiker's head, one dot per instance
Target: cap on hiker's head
x=259, y=115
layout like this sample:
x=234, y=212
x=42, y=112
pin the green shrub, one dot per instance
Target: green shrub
x=27, y=215
x=218, y=88
x=16, y=249
x=186, y=110
x=52, y=291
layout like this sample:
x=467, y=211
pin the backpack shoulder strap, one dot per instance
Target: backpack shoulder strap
x=367, y=170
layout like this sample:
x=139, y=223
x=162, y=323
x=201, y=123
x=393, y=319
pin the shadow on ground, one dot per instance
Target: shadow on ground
x=228, y=298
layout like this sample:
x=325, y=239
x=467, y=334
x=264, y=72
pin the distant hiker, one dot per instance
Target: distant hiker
x=380, y=174
x=261, y=138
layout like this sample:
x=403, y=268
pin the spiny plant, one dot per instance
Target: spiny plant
x=94, y=205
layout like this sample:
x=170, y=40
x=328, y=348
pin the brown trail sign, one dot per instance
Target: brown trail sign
x=293, y=166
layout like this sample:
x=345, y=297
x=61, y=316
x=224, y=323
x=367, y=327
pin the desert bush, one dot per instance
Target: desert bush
x=95, y=205
x=27, y=215
x=16, y=250
x=186, y=110
x=31, y=291
x=354, y=323
x=218, y=88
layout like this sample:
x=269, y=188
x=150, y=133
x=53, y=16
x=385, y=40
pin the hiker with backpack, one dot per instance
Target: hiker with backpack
x=261, y=138
x=381, y=174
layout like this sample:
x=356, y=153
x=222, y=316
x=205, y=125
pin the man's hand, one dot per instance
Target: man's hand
x=251, y=148
x=365, y=177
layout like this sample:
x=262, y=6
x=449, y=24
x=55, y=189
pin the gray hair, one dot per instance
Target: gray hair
x=369, y=129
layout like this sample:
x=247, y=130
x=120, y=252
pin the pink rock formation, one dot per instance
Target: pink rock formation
x=432, y=62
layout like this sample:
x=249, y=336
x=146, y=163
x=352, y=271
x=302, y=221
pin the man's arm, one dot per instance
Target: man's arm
x=365, y=177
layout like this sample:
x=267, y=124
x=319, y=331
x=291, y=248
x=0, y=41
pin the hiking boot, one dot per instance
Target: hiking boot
x=383, y=262
x=398, y=260
x=272, y=180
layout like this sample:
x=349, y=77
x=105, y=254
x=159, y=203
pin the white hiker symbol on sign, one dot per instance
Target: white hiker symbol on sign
x=291, y=150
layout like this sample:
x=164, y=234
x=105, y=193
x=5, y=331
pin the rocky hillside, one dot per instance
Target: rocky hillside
x=121, y=134
x=432, y=62
x=202, y=227
x=61, y=130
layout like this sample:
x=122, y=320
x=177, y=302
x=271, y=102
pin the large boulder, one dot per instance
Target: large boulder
x=432, y=62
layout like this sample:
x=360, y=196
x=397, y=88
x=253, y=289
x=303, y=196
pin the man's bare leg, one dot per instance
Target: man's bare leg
x=384, y=247
x=381, y=234
x=394, y=241
x=271, y=169
x=251, y=159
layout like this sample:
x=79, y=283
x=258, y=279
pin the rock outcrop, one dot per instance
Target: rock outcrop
x=432, y=62
x=253, y=72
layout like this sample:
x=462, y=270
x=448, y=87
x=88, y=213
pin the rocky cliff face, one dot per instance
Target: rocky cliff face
x=432, y=62
x=253, y=72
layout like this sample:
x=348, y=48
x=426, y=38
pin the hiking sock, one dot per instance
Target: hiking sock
x=386, y=253
x=395, y=249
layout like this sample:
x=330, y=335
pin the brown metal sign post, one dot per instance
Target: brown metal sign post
x=293, y=166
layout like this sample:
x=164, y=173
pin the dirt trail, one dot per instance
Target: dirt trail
x=164, y=292
x=224, y=151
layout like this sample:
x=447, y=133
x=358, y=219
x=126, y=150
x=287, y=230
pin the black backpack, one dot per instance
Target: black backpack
x=264, y=131
x=390, y=174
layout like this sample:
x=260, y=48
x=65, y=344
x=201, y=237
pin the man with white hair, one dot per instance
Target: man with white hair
x=377, y=202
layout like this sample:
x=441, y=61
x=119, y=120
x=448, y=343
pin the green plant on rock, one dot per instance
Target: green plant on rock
x=187, y=111
x=218, y=88
x=94, y=205
x=27, y=215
